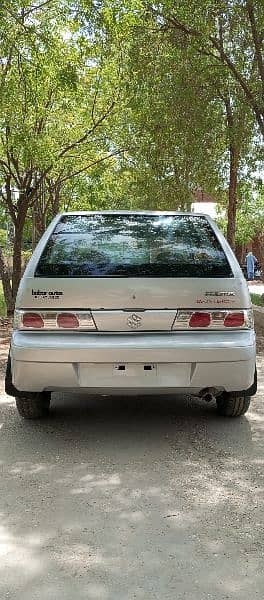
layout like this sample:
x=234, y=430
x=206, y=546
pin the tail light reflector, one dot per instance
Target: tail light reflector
x=67, y=321
x=234, y=319
x=53, y=320
x=32, y=321
x=200, y=319
x=213, y=319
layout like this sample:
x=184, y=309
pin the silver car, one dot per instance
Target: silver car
x=133, y=302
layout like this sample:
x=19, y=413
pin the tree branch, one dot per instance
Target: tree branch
x=243, y=83
x=95, y=162
x=7, y=168
x=7, y=66
x=11, y=159
x=88, y=133
x=8, y=200
x=40, y=124
x=37, y=7
x=227, y=61
x=256, y=39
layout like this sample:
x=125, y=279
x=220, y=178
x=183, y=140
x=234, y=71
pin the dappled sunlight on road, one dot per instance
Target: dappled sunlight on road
x=122, y=498
x=19, y=557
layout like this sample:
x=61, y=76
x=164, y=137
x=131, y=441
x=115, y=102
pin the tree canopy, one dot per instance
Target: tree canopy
x=129, y=104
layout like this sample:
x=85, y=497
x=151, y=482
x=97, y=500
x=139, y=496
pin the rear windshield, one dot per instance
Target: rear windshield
x=119, y=245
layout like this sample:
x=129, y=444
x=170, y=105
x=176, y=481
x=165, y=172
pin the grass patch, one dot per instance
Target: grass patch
x=2, y=302
x=257, y=299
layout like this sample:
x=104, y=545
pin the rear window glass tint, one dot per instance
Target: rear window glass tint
x=133, y=245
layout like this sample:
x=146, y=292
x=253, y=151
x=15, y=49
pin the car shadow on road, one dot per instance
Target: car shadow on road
x=146, y=419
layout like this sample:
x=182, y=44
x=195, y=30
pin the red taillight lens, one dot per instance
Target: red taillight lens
x=234, y=319
x=200, y=319
x=215, y=320
x=52, y=320
x=33, y=320
x=67, y=321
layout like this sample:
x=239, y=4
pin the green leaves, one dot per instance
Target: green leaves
x=82, y=80
x=57, y=89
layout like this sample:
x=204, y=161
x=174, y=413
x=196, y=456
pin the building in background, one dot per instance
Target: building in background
x=205, y=203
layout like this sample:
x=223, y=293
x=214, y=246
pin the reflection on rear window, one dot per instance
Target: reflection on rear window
x=133, y=245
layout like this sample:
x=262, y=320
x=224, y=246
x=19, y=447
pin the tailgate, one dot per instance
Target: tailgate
x=132, y=294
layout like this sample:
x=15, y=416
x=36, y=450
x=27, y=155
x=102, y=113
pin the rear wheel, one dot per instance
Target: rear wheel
x=232, y=406
x=34, y=406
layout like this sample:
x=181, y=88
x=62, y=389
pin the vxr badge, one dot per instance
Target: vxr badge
x=134, y=321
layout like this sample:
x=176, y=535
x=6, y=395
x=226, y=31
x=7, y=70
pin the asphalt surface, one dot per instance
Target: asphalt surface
x=124, y=498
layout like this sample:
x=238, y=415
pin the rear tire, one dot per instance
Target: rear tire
x=232, y=406
x=35, y=407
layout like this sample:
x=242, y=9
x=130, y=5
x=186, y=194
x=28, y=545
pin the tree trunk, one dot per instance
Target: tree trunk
x=4, y=274
x=39, y=215
x=234, y=151
x=54, y=188
x=258, y=249
x=38, y=225
x=17, y=253
x=56, y=200
x=232, y=196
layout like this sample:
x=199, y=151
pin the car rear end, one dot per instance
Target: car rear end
x=133, y=303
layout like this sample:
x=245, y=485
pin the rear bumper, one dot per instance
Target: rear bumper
x=180, y=362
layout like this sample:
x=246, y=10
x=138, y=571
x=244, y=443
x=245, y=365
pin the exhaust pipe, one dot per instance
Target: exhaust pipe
x=207, y=395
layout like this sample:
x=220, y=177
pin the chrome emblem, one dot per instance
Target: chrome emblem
x=134, y=321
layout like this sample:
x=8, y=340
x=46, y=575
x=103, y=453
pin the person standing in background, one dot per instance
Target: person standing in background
x=250, y=262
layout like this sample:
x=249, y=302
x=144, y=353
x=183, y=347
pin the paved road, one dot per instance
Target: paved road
x=122, y=499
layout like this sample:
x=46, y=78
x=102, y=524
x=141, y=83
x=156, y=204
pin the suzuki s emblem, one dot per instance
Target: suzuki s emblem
x=134, y=321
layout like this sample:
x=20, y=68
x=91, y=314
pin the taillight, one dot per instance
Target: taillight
x=200, y=319
x=234, y=319
x=213, y=319
x=53, y=320
x=32, y=321
x=67, y=321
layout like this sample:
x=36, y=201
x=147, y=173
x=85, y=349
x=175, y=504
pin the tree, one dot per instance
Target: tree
x=188, y=100
x=230, y=34
x=250, y=212
x=174, y=144
x=57, y=95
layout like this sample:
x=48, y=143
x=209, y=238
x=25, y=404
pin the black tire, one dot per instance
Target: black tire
x=35, y=407
x=233, y=406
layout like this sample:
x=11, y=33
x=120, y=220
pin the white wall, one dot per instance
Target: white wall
x=208, y=208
